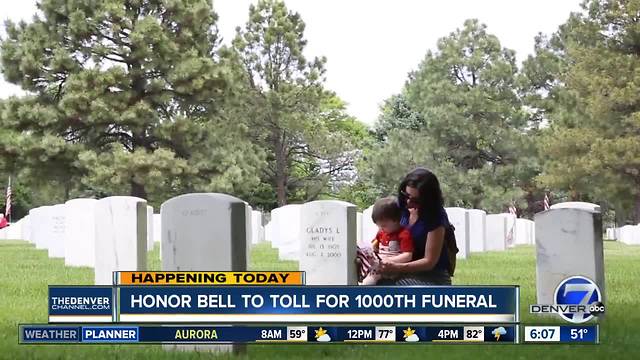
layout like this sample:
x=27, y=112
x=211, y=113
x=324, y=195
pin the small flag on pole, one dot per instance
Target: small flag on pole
x=510, y=235
x=7, y=209
x=546, y=201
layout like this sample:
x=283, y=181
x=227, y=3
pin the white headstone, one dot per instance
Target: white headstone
x=14, y=231
x=532, y=233
x=276, y=239
x=257, y=231
x=568, y=243
x=205, y=232
x=121, y=236
x=286, y=235
x=149, y=228
x=630, y=235
x=369, y=228
x=496, y=232
x=57, y=215
x=511, y=229
x=576, y=205
x=268, y=232
x=610, y=234
x=328, y=247
x=26, y=229
x=459, y=218
x=477, y=230
x=40, y=224
x=80, y=232
x=523, y=231
x=157, y=230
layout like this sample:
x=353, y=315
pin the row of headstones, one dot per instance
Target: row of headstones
x=628, y=234
x=568, y=239
x=72, y=230
x=85, y=232
x=115, y=233
x=475, y=230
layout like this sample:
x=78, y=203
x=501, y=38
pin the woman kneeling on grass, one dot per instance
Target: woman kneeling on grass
x=424, y=215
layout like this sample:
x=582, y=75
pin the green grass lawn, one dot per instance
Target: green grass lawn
x=25, y=273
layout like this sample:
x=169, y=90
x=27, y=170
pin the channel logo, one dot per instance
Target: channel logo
x=577, y=300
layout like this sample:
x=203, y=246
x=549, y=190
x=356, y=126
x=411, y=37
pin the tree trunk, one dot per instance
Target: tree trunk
x=637, y=208
x=575, y=195
x=620, y=217
x=138, y=190
x=281, y=177
x=67, y=190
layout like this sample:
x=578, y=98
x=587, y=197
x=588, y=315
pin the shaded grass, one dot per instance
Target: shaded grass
x=25, y=273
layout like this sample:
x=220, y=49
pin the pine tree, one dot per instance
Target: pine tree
x=133, y=91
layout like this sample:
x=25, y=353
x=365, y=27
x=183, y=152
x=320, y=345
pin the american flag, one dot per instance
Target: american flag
x=366, y=262
x=7, y=210
x=546, y=201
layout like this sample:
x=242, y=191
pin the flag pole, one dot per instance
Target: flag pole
x=8, y=204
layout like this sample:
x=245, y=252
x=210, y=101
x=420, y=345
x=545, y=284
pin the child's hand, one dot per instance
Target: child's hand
x=375, y=244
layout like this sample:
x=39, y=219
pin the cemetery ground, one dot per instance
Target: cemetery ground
x=25, y=273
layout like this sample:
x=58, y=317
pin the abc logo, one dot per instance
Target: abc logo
x=579, y=290
x=596, y=308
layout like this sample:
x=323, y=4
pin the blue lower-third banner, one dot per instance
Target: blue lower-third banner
x=214, y=334
x=319, y=304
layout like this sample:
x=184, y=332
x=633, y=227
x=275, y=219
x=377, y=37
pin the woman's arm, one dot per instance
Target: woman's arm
x=403, y=257
x=432, y=250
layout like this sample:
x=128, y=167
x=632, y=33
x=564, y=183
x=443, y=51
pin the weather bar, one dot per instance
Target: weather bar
x=200, y=334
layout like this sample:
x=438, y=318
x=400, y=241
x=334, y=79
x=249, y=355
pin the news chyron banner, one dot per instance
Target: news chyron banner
x=317, y=304
x=243, y=298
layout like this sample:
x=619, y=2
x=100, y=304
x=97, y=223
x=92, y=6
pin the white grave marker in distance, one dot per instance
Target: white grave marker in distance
x=57, y=215
x=80, y=233
x=459, y=218
x=121, y=236
x=496, y=239
x=477, y=230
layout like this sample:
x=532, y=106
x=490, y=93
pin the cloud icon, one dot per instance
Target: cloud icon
x=412, y=338
x=324, y=338
x=501, y=330
x=497, y=332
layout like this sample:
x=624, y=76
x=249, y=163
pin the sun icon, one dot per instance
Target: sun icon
x=408, y=332
x=410, y=335
x=322, y=336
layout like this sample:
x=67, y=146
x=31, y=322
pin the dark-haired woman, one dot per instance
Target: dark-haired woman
x=423, y=213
